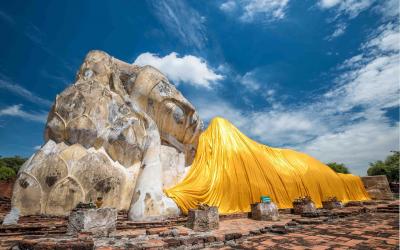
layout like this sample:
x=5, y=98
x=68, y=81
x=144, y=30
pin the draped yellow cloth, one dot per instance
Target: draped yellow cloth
x=231, y=171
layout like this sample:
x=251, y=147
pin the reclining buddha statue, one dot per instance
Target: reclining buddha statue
x=120, y=132
x=126, y=134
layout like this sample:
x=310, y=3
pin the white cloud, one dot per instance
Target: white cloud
x=358, y=144
x=268, y=8
x=210, y=107
x=249, y=81
x=339, y=30
x=389, y=9
x=372, y=79
x=350, y=8
x=16, y=111
x=181, y=21
x=255, y=10
x=387, y=40
x=187, y=69
x=21, y=91
x=353, y=62
x=329, y=3
x=37, y=147
x=282, y=127
x=228, y=6
x=345, y=10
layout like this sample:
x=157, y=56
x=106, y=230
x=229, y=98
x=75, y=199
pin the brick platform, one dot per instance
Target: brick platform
x=369, y=226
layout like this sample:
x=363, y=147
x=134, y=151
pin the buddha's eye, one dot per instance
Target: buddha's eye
x=193, y=119
x=178, y=115
x=177, y=112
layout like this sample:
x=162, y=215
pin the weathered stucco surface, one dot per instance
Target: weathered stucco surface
x=121, y=132
x=377, y=187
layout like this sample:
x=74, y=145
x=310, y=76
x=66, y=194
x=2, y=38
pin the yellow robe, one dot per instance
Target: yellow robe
x=231, y=171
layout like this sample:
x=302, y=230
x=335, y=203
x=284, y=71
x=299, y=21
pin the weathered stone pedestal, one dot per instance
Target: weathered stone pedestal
x=99, y=222
x=304, y=208
x=204, y=219
x=264, y=211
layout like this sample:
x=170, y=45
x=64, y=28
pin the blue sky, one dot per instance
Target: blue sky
x=317, y=76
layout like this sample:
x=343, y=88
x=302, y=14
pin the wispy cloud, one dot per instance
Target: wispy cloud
x=181, y=21
x=371, y=79
x=350, y=8
x=249, y=81
x=6, y=17
x=343, y=11
x=389, y=9
x=57, y=78
x=16, y=111
x=228, y=6
x=186, y=69
x=256, y=82
x=256, y=10
x=340, y=29
x=16, y=89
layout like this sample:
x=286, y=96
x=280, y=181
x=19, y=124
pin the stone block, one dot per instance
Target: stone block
x=99, y=222
x=264, y=211
x=205, y=219
x=53, y=243
x=307, y=207
x=331, y=204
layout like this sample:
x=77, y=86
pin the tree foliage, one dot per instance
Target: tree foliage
x=6, y=173
x=389, y=167
x=9, y=166
x=338, y=167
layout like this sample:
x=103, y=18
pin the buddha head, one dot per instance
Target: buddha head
x=176, y=118
x=177, y=121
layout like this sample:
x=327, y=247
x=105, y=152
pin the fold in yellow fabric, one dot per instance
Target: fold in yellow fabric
x=231, y=171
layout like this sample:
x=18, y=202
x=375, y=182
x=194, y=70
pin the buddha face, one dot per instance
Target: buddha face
x=174, y=115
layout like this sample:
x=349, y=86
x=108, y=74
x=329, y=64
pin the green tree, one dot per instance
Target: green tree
x=9, y=166
x=12, y=162
x=389, y=167
x=6, y=173
x=338, y=167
